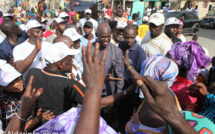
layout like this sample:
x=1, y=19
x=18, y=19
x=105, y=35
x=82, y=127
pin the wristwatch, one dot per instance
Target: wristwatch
x=124, y=92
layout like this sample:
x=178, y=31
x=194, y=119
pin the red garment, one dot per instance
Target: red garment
x=70, y=14
x=181, y=90
x=109, y=12
x=125, y=15
x=47, y=34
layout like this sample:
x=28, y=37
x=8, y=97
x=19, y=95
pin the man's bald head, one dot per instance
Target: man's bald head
x=129, y=35
x=130, y=22
x=66, y=40
x=104, y=34
x=6, y=26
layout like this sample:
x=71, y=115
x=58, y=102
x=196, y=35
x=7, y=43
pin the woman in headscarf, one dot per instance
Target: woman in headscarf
x=145, y=120
x=190, y=58
x=30, y=16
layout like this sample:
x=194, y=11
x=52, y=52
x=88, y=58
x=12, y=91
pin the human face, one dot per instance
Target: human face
x=33, y=33
x=88, y=16
x=171, y=30
x=106, y=21
x=15, y=86
x=129, y=37
x=88, y=30
x=66, y=64
x=104, y=37
x=71, y=8
x=119, y=35
x=77, y=43
x=74, y=18
x=179, y=31
x=61, y=27
x=155, y=30
x=119, y=12
x=16, y=29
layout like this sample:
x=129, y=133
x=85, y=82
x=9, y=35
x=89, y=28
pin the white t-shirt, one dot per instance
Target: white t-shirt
x=138, y=39
x=22, y=51
x=1, y=38
x=104, y=10
x=82, y=21
x=183, y=39
x=129, y=11
x=158, y=45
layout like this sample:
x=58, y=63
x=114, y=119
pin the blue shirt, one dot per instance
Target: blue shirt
x=138, y=21
x=6, y=48
x=78, y=57
x=136, y=57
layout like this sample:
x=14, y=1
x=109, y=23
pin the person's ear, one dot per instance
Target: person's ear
x=28, y=33
x=60, y=65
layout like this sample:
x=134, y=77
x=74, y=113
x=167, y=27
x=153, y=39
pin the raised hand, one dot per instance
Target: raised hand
x=28, y=99
x=39, y=41
x=42, y=5
x=126, y=59
x=92, y=66
x=156, y=93
x=198, y=88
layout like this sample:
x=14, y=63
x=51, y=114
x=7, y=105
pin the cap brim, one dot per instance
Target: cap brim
x=11, y=78
x=72, y=52
x=43, y=28
x=174, y=24
x=77, y=37
x=65, y=21
x=157, y=23
x=88, y=13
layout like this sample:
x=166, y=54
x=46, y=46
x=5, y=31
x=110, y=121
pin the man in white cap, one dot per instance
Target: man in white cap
x=107, y=19
x=155, y=40
x=60, y=26
x=64, y=16
x=88, y=13
x=171, y=26
x=59, y=92
x=30, y=53
x=117, y=36
x=144, y=28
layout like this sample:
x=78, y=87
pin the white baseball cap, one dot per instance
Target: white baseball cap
x=43, y=20
x=58, y=51
x=121, y=25
x=145, y=19
x=107, y=17
x=7, y=73
x=7, y=15
x=88, y=11
x=172, y=21
x=72, y=34
x=63, y=14
x=23, y=27
x=34, y=24
x=157, y=19
x=60, y=20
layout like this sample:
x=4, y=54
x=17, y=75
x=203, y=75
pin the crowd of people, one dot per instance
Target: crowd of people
x=117, y=75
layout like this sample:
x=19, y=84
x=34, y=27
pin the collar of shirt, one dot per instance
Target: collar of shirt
x=134, y=47
x=54, y=73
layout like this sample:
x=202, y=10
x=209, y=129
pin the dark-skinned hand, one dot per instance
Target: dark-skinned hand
x=42, y=5
x=156, y=93
x=198, y=88
x=39, y=41
x=126, y=59
x=92, y=66
x=12, y=62
x=108, y=77
x=45, y=116
x=28, y=99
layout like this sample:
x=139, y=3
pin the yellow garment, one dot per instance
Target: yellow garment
x=22, y=19
x=77, y=16
x=15, y=12
x=142, y=30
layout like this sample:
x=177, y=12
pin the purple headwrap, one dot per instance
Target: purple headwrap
x=190, y=56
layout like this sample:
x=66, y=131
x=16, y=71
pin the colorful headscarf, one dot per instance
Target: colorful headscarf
x=160, y=68
x=190, y=56
x=32, y=15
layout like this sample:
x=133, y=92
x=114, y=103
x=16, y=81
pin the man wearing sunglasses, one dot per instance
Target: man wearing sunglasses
x=14, y=36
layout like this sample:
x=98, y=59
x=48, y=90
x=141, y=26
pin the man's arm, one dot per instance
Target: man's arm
x=119, y=71
x=22, y=65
